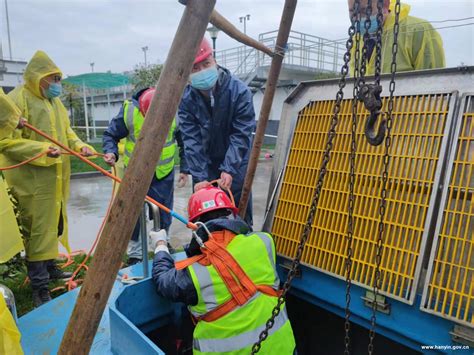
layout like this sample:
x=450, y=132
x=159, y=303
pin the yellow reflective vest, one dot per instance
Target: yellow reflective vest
x=133, y=120
x=238, y=330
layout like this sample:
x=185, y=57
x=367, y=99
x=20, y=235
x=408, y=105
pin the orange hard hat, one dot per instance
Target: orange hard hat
x=145, y=100
x=204, y=51
x=209, y=199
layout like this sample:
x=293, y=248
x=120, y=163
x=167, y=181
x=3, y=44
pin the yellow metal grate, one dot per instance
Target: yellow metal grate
x=419, y=125
x=450, y=290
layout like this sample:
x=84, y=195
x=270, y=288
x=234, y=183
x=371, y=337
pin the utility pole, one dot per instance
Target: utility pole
x=271, y=84
x=92, y=66
x=244, y=19
x=144, y=49
x=8, y=31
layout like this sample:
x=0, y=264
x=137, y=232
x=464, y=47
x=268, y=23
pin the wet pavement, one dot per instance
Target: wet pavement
x=90, y=196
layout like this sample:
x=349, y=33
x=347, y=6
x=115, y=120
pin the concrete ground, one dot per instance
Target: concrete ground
x=90, y=197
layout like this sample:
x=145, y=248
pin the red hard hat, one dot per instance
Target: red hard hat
x=145, y=100
x=204, y=51
x=208, y=199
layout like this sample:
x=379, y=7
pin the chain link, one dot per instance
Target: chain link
x=386, y=161
x=319, y=184
x=355, y=19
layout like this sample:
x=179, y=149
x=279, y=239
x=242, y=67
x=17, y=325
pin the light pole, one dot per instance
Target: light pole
x=244, y=19
x=8, y=31
x=92, y=66
x=144, y=49
x=213, y=31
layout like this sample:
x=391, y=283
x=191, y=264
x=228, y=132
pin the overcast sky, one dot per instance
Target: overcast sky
x=112, y=33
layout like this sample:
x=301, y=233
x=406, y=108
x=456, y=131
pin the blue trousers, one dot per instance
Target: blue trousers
x=162, y=191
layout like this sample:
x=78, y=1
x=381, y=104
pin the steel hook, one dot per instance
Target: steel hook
x=370, y=95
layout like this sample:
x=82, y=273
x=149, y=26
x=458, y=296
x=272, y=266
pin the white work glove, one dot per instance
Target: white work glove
x=159, y=240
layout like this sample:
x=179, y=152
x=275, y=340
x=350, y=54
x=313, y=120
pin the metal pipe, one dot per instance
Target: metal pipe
x=155, y=211
x=144, y=241
x=86, y=118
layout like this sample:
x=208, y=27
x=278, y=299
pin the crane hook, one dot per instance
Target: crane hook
x=369, y=94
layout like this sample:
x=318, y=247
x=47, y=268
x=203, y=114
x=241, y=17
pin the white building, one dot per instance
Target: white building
x=11, y=73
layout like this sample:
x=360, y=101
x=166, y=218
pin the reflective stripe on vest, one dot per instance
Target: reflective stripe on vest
x=203, y=280
x=240, y=341
x=270, y=251
x=132, y=118
x=224, y=323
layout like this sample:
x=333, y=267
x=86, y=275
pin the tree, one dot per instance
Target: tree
x=73, y=101
x=145, y=77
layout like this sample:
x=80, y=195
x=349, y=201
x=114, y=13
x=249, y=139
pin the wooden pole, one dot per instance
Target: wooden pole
x=224, y=25
x=128, y=202
x=277, y=60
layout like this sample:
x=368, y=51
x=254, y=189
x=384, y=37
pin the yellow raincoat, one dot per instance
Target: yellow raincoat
x=42, y=187
x=10, y=238
x=9, y=334
x=419, y=45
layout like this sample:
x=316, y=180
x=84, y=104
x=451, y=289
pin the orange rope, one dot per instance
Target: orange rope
x=37, y=156
x=102, y=170
x=71, y=284
x=229, y=191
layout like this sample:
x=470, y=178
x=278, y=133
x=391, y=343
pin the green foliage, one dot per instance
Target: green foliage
x=145, y=77
x=73, y=101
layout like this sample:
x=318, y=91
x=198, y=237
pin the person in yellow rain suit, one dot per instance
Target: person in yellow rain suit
x=9, y=333
x=10, y=238
x=42, y=186
x=419, y=45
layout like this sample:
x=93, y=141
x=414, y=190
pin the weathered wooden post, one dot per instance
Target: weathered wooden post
x=277, y=60
x=128, y=203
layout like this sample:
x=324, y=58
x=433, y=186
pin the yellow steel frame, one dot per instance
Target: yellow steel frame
x=419, y=129
x=450, y=284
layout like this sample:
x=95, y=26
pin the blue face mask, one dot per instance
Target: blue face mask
x=204, y=79
x=54, y=90
x=373, y=25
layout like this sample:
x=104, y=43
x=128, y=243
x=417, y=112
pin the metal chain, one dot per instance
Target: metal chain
x=378, y=42
x=366, y=37
x=314, y=204
x=383, y=198
x=355, y=19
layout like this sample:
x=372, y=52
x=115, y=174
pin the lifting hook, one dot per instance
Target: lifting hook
x=369, y=94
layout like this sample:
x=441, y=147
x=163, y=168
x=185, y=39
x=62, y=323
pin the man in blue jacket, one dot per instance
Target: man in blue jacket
x=216, y=120
x=127, y=124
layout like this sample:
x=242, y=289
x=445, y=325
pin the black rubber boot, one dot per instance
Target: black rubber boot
x=56, y=273
x=41, y=296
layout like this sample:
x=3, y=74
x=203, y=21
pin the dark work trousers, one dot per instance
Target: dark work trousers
x=161, y=191
x=38, y=270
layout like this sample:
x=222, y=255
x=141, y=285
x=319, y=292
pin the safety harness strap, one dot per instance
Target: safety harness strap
x=238, y=283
